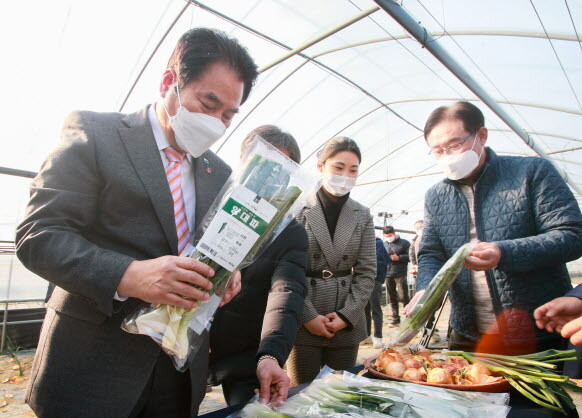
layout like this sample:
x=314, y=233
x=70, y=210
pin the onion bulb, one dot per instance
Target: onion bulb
x=395, y=369
x=412, y=364
x=474, y=372
x=440, y=376
x=414, y=375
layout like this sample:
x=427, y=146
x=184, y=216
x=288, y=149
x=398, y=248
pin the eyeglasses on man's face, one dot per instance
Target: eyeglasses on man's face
x=451, y=149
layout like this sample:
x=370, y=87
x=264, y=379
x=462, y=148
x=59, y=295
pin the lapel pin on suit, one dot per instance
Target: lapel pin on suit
x=208, y=169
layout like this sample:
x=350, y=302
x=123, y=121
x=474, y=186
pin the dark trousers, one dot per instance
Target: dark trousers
x=376, y=308
x=397, y=282
x=373, y=311
x=306, y=361
x=166, y=394
x=241, y=390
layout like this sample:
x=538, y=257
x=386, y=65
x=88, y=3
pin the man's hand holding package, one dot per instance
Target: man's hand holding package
x=167, y=280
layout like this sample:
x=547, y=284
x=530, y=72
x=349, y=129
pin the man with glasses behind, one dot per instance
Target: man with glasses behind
x=524, y=222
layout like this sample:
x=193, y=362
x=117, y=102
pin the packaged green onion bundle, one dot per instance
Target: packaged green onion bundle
x=253, y=207
x=431, y=299
x=343, y=394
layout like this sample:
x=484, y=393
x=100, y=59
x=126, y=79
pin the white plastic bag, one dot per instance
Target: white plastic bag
x=252, y=208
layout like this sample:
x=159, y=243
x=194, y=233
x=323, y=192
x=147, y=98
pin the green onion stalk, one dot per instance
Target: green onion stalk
x=268, y=180
x=431, y=299
x=532, y=375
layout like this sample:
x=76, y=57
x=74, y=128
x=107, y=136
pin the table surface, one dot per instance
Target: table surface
x=521, y=407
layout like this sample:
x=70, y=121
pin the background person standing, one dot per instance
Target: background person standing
x=397, y=249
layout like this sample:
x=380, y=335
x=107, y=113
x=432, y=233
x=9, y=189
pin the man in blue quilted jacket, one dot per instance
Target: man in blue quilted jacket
x=524, y=222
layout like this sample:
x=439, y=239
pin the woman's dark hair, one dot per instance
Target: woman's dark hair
x=337, y=145
x=200, y=47
x=466, y=112
x=277, y=138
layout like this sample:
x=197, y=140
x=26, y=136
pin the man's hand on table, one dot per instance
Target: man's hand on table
x=274, y=382
x=167, y=280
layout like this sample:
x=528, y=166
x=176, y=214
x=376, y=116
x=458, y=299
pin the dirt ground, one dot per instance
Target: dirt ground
x=13, y=384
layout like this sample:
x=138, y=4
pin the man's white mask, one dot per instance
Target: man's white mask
x=195, y=132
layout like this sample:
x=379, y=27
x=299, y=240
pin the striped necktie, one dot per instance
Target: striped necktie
x=173, y=173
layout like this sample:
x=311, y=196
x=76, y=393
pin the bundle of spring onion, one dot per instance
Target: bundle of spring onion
x=431, y=299
x=242, y=221
x=337, y=394
x=532, y=375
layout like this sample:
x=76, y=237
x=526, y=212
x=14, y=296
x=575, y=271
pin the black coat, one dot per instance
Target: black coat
x=263, y=317
x=400, y=247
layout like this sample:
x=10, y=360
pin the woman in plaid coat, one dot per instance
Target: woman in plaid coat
x=341, y=268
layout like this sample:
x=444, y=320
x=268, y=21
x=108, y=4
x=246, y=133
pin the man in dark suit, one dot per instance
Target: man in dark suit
x=252, y=336
x=397, y=249
x=110, y=211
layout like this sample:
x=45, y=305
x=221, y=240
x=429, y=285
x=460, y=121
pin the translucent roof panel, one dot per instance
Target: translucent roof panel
x=370, y=80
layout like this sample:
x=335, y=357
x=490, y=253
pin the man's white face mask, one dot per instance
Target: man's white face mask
x=338, y=185
x=459, y=166
x=195, y=132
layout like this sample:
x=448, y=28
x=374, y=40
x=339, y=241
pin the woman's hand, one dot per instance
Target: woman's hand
x=335, y=323
x=317, y=327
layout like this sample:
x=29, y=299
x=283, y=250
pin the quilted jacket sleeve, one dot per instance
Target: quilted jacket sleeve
x=558, y=222
x=431, y=255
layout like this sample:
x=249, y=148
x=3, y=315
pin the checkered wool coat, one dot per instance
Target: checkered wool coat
x=353, y=247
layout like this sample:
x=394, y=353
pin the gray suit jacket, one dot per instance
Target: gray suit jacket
x=100, y=201
x=354, y=247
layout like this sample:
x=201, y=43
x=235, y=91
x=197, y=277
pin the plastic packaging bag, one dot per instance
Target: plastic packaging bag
x=431, y=299
x=343, y=394
x=249, y=212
